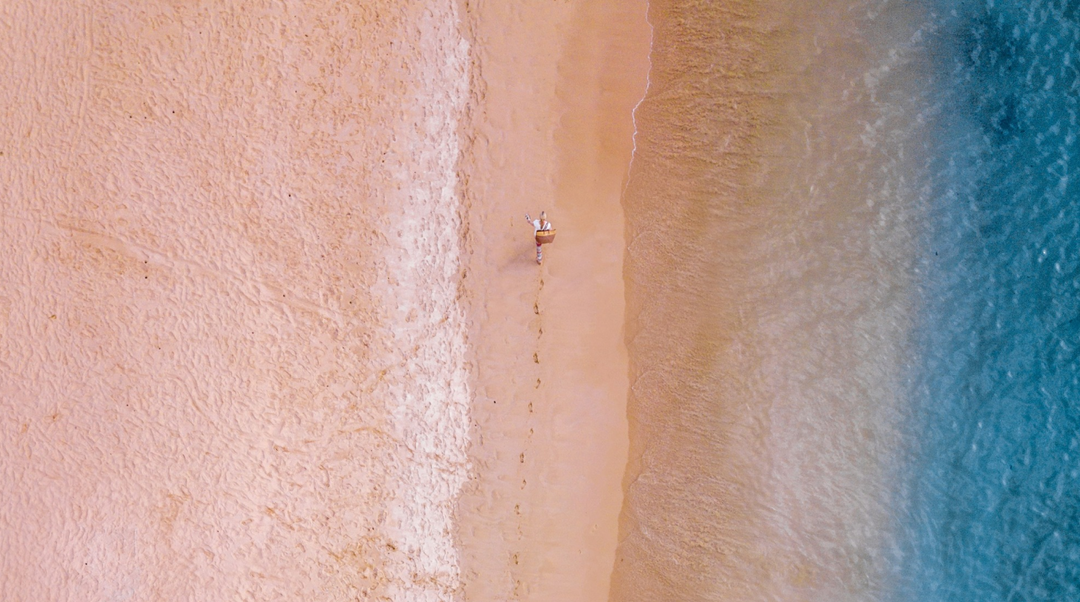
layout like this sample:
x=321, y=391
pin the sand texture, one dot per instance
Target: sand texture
x=232, y=361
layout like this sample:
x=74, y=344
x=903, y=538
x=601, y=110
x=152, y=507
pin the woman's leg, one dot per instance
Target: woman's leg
x=539, y=253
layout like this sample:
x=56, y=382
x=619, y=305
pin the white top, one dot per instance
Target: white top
x=537, y=228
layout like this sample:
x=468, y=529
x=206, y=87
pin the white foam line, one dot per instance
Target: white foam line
x=644, y=95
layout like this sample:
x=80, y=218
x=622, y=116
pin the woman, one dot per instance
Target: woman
x=539, y=225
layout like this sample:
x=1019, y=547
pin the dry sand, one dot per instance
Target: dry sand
x=267, y=303
x=232, y=362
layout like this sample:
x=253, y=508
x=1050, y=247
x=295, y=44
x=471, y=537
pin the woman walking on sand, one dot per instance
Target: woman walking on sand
x=542, y=232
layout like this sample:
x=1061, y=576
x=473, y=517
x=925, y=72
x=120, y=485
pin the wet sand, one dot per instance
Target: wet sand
x=557, y=83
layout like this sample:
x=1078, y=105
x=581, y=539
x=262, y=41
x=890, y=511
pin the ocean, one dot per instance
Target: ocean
x=991, y=496
x=852, y=311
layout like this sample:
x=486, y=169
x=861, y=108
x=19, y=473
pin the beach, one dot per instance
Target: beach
x=271, y=325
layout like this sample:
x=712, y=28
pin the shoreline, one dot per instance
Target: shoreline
x=549, y=440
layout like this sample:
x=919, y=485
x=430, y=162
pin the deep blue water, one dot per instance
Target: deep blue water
x=992, y=499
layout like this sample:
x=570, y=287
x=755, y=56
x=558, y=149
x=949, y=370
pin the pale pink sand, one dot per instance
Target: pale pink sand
x=555, y=85
x=232, y=358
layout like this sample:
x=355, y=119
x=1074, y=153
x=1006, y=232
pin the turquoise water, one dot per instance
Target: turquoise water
x=990, y=504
